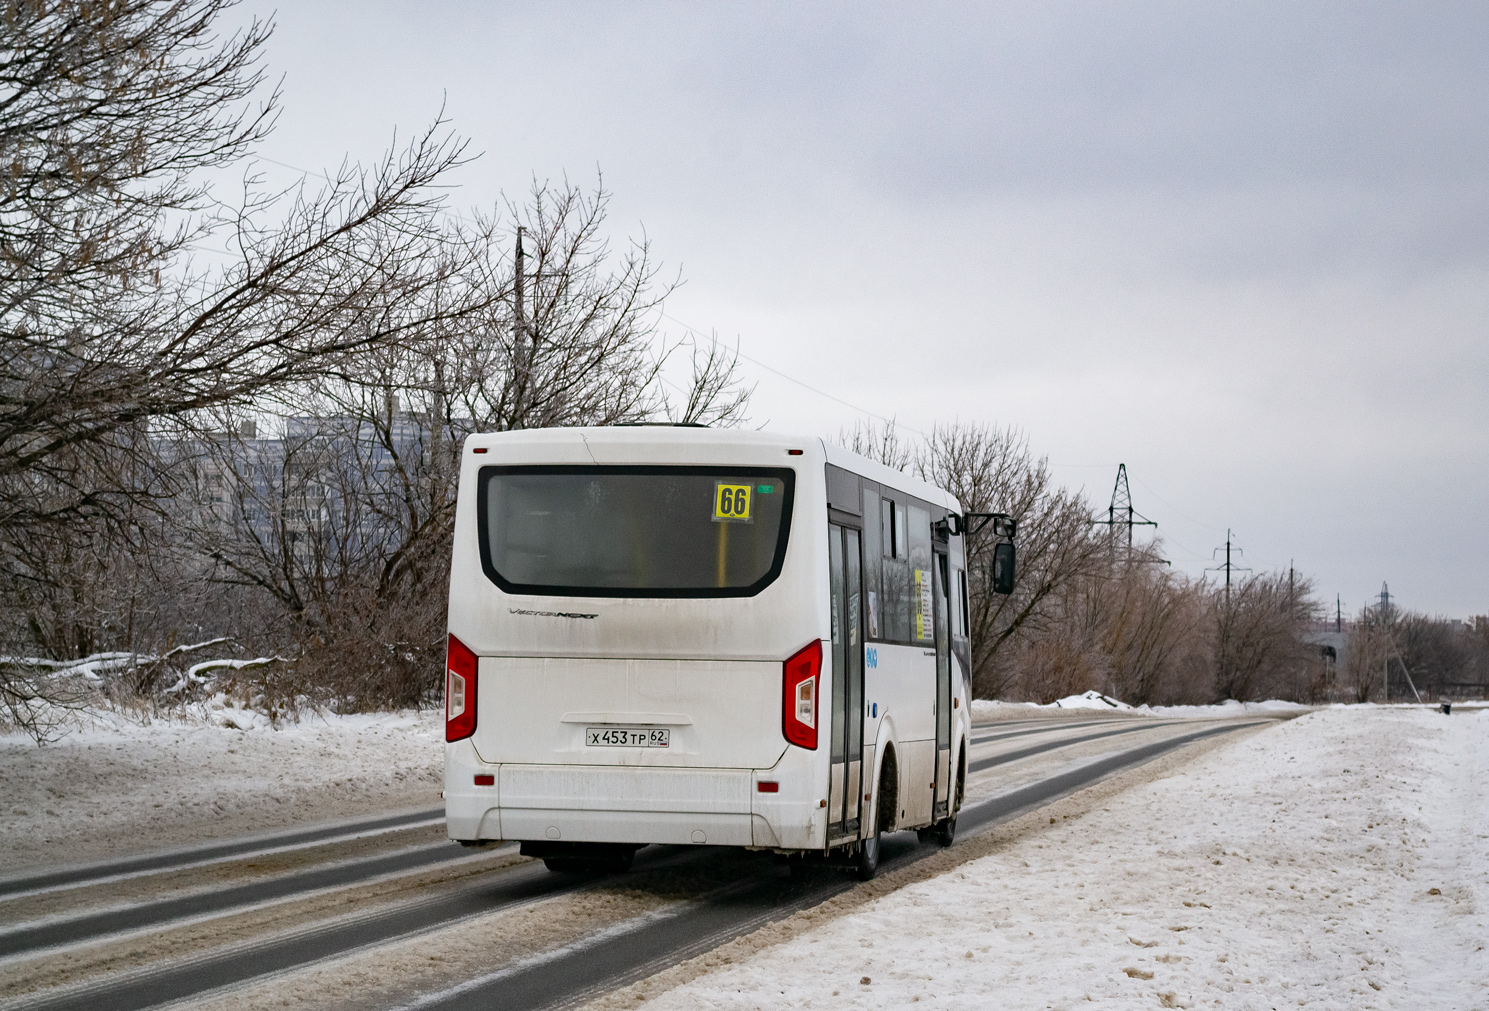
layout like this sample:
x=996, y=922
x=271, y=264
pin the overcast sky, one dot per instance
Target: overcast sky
x=1242, y=248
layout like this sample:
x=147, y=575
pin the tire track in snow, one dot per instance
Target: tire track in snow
x=198, y=856
x=77, y=929
x=980, y=764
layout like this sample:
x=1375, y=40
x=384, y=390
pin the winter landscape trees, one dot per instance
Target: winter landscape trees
x=235, y=418
x=1090, y=612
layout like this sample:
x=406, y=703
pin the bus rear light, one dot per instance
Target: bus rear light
x=765, y=786
x=460, y=691
x=801, y=675
x=485, y=779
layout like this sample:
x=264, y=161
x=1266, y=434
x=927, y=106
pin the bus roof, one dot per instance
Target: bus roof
x=564, y=442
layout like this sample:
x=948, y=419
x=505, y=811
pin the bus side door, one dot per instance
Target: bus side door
x=846, y=782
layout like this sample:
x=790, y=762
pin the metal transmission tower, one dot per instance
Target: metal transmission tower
x=1229, y=566
x=1120, y=513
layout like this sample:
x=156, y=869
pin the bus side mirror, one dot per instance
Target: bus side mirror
x=1003, y=568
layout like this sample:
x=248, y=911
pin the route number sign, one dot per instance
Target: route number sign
x=731, y=502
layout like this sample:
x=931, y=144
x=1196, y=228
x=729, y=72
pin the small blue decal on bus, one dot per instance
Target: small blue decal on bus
x=873, y=656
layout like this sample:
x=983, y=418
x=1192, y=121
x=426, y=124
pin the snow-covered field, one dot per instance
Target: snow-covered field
x=1339, y=860
x=115, y=785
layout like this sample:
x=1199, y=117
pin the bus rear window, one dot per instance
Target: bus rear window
x=634, y=531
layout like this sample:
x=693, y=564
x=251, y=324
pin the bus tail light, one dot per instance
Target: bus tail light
x=460, y=691
x=801, y=688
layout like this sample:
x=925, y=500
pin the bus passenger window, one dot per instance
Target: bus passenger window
x=895, y=608
x=888, y=529
x=873, y=562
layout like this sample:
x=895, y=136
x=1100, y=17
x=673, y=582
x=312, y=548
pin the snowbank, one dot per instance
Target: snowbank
x=1230, y=707
x=1333, y=861
x=995, y=709
x=987, y=708
x=1089, y=700
x=116, y=785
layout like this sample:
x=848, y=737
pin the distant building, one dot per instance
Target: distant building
x=1333, y=649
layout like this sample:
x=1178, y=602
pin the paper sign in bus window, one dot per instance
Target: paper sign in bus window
x=923, y=604
x=731, y=502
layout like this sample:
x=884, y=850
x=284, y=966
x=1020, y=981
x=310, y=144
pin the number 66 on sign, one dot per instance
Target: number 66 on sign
x=731, y=502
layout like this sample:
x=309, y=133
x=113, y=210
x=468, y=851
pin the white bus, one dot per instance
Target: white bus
x=664, y=634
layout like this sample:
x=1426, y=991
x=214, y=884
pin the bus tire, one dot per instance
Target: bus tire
x=868, y=857
x=590, y=858
x=617, y=864
x=944, y=831
x=868, y=849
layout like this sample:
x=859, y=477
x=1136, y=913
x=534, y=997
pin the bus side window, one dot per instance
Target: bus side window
x=872, y=562
x=966, y=611
x=895, y=604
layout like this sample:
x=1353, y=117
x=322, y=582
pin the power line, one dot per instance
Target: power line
x=802, y=384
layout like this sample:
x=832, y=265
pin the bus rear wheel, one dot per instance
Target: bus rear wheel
x=868, y=857
x=868, y=849
x=616, y=864
x=582, y=858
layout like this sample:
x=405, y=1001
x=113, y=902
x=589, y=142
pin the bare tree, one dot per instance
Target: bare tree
x=879, y=442
x=1084, y=615
x=1259, y=646
x=131, y=347
x=990, y=469
x=107, y=332
x=345, y=518
x=1446, y=659
x=1150, y=629
x=715, y=395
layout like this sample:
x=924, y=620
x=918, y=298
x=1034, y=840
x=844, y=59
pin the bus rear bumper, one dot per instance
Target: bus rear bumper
x=577, y=803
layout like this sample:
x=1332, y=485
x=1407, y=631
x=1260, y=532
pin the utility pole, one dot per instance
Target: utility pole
x=1229, y=566
x=1338, y=613
x=519, y=333
x=1120, y=513
x=520, y=327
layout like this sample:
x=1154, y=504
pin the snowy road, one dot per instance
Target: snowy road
x=384, y=914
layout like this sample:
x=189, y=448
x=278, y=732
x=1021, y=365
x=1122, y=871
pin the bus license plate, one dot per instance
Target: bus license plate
x=627, y=737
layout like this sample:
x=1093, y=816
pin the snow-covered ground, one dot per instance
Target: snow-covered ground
x=115, y=785
x=990, y=709
x=1339, y=860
